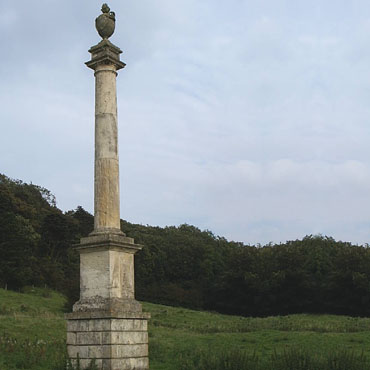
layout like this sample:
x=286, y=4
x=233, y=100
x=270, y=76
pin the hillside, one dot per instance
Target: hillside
x=32, y=336
x=183, y=265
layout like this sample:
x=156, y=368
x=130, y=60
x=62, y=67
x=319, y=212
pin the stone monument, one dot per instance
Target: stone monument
x=107, y=323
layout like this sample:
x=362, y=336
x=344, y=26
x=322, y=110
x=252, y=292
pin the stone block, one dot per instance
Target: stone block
x=71, y=325
x=86, y=338
x=77, y=325
x=71, y=338
x=99, y=325
x=94, y=278
x=129, y=364
x=128, y=337
x=100, y=351
x=84, y=363
x=129, y=325
x=83, y=351
x=129, y=350
x=106, y=337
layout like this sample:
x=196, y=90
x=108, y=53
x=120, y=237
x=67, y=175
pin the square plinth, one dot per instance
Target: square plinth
x=115, y=342
x=107, y=273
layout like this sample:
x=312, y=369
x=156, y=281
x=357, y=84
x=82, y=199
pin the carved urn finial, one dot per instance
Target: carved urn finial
x=106, y=22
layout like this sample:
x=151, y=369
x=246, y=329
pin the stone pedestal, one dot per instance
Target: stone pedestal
x=117, y=341
x=107, y=323
x=107, y=274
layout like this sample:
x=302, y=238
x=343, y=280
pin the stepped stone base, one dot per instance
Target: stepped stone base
x=115, y=341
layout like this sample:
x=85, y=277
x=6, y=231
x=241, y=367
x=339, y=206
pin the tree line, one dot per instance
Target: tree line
x=183, y=265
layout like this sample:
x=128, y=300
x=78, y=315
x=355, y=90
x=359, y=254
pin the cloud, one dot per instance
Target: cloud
x=246, y=118
x=8, y=19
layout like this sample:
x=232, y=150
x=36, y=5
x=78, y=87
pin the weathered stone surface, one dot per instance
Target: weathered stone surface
x=71, y=338
x=129, y=351
x=130, y=364
x=107, y=273
x=84, y=363
x=124, y=340
x=108, y=240
x=108, y=351
x=105, y=23
x=106, y=212
x=129, y=325
x=127, y=338
x=82, y=351
x=120, y=325
x=108, y=337
x=83, y=325
x=94, y=274
x=90, y=337
x=100, y=315
x=101, y=351
x=105, y=53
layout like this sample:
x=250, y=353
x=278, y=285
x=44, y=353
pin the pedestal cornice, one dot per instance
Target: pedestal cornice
x=107, y=315
x=108, y=241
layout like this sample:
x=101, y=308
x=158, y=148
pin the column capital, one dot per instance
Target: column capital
x=105, y=53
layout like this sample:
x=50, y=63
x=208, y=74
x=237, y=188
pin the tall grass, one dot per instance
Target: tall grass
x=231, y=360
x=29, y=354
x=292, y=359
x=37, y=354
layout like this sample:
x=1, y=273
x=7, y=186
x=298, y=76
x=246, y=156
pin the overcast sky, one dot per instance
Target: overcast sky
x=247, y=118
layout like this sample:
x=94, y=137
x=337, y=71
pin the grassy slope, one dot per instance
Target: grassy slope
x=175, y=332
x=27, y=316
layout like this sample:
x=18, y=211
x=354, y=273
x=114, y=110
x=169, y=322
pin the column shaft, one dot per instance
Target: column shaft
x=107, y=205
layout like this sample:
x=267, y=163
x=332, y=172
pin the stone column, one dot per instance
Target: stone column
x=107, y=323
x=106, y=149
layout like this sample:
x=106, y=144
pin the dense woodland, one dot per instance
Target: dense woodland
x=183, y=265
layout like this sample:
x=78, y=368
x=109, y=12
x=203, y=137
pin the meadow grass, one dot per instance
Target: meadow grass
x=32, y=336
x=186, y=338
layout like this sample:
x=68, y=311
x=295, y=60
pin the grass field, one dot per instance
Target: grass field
x=32, y=336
